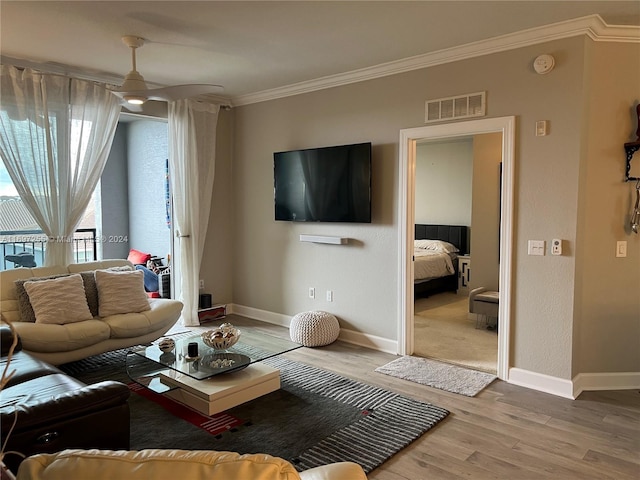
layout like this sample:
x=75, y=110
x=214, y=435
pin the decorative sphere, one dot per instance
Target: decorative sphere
x=167, y=344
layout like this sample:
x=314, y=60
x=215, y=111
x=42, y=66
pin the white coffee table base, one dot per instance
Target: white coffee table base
x=225, y=391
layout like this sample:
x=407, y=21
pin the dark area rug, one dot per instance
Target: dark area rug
x=317, y=417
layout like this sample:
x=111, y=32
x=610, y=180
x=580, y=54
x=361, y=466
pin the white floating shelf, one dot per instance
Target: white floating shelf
x=323, y=239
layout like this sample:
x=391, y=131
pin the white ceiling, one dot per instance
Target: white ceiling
x=251, y=47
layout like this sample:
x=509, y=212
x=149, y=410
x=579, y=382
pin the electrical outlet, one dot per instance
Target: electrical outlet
x=329, y=296
x=312, y=292
x=201, y=284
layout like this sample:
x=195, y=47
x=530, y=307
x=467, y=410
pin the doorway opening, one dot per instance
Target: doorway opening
x=457, y=185
x=409, y=139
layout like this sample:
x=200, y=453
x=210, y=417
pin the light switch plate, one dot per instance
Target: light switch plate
x=535, y=247
x=542, y=128
x=621, y=248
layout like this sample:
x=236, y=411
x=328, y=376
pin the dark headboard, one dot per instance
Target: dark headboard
x=457, y=235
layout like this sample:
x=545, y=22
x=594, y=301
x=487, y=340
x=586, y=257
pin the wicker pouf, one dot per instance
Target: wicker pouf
x=314, y=329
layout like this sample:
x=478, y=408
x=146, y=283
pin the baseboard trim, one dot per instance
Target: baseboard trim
x=584, y=382
x=257, y=314
x=541, y=382
x=536, y=381
x=369, y=341
x=349, y=336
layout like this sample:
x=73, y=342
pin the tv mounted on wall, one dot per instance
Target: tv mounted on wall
x=328, y=184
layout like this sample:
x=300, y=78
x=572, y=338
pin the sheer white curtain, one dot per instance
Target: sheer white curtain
x=192, y=144
x=55, y=137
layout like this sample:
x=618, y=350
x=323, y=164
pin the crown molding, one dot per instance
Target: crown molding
x=592, y=26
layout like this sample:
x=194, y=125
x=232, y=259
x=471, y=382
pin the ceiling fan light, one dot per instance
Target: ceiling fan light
x=135, y=99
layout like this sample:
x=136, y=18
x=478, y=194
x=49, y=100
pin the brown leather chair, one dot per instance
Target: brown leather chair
x=53, y=411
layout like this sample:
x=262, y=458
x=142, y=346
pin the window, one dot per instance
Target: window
x=21, y=234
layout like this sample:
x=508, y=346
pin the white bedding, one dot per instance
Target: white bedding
x=431, y=264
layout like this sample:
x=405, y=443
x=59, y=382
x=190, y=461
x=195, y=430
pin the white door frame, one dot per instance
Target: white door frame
x=406, y=215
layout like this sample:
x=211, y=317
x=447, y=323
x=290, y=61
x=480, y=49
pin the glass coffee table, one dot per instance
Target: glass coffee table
x=213, y=380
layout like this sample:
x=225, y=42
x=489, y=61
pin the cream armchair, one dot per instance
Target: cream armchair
x=172, y=464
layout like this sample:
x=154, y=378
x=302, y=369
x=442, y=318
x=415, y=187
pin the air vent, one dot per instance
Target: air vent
x=463, y=106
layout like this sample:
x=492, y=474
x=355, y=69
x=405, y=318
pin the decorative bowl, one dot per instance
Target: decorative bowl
x=222, y=362
x=223, y=337
x=167, y=344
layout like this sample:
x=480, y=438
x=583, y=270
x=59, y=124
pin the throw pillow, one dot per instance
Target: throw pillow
x=121, y=292
x=25, y=309
x=91, y=289
x=24, y=305
x=137, y=257
x=58, y=300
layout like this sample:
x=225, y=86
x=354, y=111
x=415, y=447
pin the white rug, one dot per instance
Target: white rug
x=438, y=375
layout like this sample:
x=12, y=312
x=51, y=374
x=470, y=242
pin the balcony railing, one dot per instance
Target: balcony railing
x=34, y=242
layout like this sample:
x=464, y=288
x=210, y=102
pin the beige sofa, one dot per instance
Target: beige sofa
x=57, y=344
x=173, y=464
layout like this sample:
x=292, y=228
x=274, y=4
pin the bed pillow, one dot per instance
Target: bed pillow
x=137, y=257
x=435, y=245
x=121, y=292
x=58, y=300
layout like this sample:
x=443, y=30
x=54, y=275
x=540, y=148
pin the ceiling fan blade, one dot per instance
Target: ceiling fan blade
x=170, y=94
x=178, y=92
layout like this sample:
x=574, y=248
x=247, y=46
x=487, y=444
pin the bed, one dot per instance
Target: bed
x=435, y=262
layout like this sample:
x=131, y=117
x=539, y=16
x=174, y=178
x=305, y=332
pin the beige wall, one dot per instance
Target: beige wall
x=272, y=270
x=607, y=322
x=217, y=263
x=485, y=220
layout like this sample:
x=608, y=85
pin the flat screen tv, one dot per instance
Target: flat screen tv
x=328, y=184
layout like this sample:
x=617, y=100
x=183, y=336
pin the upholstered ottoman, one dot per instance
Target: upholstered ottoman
x=484, y=303
x=314, y=329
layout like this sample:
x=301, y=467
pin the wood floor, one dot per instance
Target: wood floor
x=506, y=432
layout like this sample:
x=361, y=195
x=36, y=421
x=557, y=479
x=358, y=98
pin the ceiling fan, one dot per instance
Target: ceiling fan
x=134, y=90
